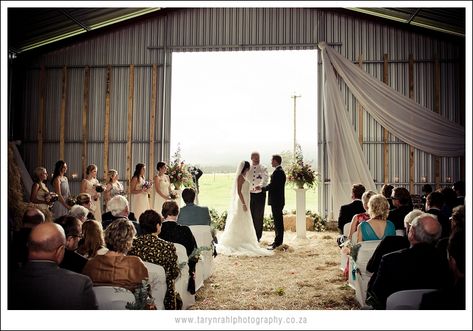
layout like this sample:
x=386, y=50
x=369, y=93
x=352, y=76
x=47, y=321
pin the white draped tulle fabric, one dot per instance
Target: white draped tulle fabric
x=405, y=119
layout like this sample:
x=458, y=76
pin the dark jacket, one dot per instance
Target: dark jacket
x=276, y=188
x=348, y=211
x=43, y=285
x=108, y=218
x=420, y=266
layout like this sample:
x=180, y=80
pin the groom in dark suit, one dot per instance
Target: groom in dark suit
x=276, y=199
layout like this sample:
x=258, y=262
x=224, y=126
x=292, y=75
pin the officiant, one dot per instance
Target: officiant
x=258, y=177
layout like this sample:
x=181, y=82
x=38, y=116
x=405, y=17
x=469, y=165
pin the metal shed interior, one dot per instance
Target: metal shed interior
x=66, y=61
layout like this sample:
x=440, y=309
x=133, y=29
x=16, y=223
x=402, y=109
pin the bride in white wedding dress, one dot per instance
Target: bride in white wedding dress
x=239, y=236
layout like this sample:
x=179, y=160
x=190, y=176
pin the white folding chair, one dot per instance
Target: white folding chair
x=361, y=279
x=406, y=299
x=157, y=281
x=344, y=257
x=113, y=297
x=203, y=237
x=183, y=279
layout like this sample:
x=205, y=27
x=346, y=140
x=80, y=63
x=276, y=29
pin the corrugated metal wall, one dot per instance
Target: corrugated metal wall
x=153, y=40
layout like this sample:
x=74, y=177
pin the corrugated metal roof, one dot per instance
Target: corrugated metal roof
x=47, y=25
x=446, y=20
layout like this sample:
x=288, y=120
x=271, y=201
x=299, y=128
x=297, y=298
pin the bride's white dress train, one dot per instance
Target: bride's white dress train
x=239, y=236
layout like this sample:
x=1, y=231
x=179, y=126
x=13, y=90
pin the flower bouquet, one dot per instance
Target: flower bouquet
x=147, y=184
x=99, y=188
x=300, y=173
x=178, y=172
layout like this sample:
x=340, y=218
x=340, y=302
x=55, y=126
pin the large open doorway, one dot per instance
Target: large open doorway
x=225, y=105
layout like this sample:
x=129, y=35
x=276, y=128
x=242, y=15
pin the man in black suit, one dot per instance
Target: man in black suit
x=276, y=199
x=355, y=207
x=420, y=266
x=433, y=206
x=41, y=284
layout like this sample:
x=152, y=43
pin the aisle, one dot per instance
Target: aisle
x=305, y=276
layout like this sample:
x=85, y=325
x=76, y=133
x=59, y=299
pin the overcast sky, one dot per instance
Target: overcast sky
x=227, y=104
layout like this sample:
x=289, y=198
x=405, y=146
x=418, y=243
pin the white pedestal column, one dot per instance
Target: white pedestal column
x=178, y=199
x=300, y=213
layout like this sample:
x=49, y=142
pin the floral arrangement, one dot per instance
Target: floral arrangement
x=143, y=300
x=147, y=184
x=178, y=172
x=300, y=173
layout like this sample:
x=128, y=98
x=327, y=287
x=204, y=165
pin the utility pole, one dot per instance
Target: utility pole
x=295, y=98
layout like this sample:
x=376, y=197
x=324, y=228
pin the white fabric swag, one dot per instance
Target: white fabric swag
x=405, y=119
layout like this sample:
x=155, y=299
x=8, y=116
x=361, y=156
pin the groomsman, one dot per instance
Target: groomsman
x=258, y=176
x=276, y=199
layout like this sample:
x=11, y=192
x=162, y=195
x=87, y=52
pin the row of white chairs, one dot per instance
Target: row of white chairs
x=112, y=297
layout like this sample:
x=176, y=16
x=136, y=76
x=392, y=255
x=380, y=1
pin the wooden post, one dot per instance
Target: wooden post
x=62, y=123
x=131, y=87
x=411, y=148
x=437, y=110
x=42, y=105
x=106, y=134
x=152, y=118
x=360, y=109
x=85, y=115
x=385, y=131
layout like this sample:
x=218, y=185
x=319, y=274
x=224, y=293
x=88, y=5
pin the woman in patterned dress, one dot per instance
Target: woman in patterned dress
x=152, y=249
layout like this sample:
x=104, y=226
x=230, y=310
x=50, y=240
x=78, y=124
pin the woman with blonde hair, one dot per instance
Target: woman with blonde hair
x=113, y=187
x=377, y=227
x=93, y=242
x=40, y=196
x=91, y=185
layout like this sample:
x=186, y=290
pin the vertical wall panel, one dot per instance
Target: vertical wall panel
x=152, y=40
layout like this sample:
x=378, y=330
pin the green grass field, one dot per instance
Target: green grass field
x=215, y=193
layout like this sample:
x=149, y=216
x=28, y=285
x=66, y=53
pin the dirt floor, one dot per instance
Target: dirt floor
x=301, y=275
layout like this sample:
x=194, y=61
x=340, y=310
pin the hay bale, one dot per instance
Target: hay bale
x=290, y=223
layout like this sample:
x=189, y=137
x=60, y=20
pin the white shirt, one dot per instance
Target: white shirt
x=257, y=176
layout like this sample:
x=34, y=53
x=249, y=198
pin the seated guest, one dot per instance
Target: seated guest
x=390, y=244
x=433, y=205
x=459, y=188
x=377, y=227
x=457, y=223
x=92, y=242
x=152, y=249
x=79, y=212
x=355, y=207
x=191, y=214
x=19, y=252
x=426, y=190
x=449, y=199
x=84, y=200
x=118, y=207
x=387, y=191
x=180, y=234
x=73, y=230
x=361, y=217
x=417, y=267
x=115, y=268
x=453, y=295
x=41, y=284
x=403, y=205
